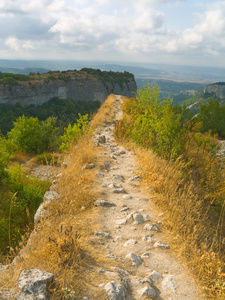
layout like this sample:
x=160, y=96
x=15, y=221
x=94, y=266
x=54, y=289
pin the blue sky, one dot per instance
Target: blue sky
x=187, y=32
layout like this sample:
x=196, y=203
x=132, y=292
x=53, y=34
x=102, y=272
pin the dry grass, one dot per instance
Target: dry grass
x=105, y=113
x=189, y=220
x=63, y=243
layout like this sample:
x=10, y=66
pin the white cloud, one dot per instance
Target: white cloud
x=12, y=43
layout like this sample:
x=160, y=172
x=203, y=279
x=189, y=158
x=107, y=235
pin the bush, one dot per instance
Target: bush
x=19, y=202
x=72, y=133
x=34, y=136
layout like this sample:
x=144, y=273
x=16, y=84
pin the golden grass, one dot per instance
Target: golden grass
x=105, y=113
x=188, y=219
x=63, y=242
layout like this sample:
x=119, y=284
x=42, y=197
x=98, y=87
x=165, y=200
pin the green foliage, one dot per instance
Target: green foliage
x=34, y=136
x=212, y=116
x=66, y=111
x=109, y=76
x=73, y=133
x=4, y=158
x=156, y=124
x=19, y=202
x=46, y=159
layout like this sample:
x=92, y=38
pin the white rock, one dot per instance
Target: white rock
x=148, y=237
x=34, y=283
x=119, y=238
x=146, y=255
x=160, y=245
x=127, y=197
x=125, y=209
x=147, y=291
x=121, y=222
x=154, y=276
x=153, y=227
x=130, y=242
x=115, y=291
x=139, y=218
x=169, y=283
x=124, y=214
x=131, y=214
x=88, y=166
x=118, y=177
x=135, y=178
x=136, y=259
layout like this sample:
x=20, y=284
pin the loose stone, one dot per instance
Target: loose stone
x=127, y=197
x=160, y=245
x=147, y=291
x=154, y=276
x=115, y=291
x=118, y=177
x=146, y=255
x=130, y=242
x=119, y=191
x=104, y=203
x=121, y=222
x=136, y=259
x=139, y=218
x=88, y=166
x=147, y=238
x=135, y=178
x=103, y=234
x=169, y=283
x=124, y=214
x=153, y=227
x=125, y=209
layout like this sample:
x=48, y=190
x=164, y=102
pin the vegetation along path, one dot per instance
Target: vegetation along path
x=132, y=232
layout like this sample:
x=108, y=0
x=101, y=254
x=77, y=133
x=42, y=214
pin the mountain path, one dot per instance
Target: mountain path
x=132, y=230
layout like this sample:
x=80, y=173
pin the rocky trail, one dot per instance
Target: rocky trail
x=132, y=232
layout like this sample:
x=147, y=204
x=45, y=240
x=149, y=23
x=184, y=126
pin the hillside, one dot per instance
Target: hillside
x=84, y=85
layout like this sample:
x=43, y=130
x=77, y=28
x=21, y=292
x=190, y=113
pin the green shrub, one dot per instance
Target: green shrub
x=34, y=136
x=46, y=159
x=72, y=133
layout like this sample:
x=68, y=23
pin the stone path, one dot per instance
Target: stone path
x=132, y=231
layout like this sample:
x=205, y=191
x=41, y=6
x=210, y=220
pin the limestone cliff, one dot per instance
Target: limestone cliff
x=74, y=84
x=216, y=88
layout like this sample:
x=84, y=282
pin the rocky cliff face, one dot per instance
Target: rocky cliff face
x=79, y=88
x=217, y=88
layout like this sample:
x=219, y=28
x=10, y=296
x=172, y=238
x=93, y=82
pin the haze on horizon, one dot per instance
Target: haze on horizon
x=181, y=32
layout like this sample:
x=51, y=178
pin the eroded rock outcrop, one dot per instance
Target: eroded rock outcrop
x=216, y=88
x=83, y=88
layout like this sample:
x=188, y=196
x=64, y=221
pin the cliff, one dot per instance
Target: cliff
x=216, y=88
x=80, y=85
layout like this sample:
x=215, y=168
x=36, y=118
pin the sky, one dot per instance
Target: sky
x=183, y=32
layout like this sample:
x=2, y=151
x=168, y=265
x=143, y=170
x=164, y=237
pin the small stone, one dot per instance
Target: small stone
x=102, y=285
x=131, y=215
x=153, y=227
x=82, y=208
x=118, y=177
x=104, y=185
x=160, y=245
x=132, y=153
x=119, y=191
x=88, y=166
x=154, y=276
x=141, y=210
x=133, y=228
x=147, y=238
x=115, y=291
x=117, y=227
x=103, y=234
x=135, y=178
x=160, y=215
x=139, y=218
x=130, y=242
x=124, y=214
x=127, y=197
x=103, y=203
x=121, y=222
x=147, y=291
x=169, y=283
x=146, y=280
x=102, y=270
x=146, y=255
x=136, y=259
x=125, y=209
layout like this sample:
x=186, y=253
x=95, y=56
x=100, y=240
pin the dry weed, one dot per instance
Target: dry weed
x=188, y=216
x=105, y=113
